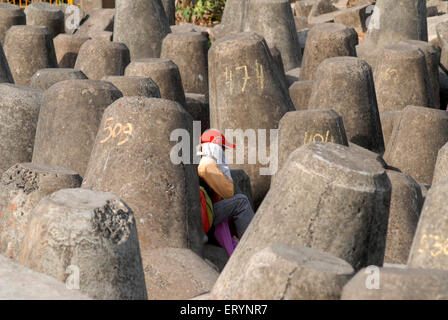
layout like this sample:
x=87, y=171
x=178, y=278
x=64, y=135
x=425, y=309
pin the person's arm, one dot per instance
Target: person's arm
x=215, y=178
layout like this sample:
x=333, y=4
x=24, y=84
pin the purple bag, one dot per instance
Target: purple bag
x=224, y=237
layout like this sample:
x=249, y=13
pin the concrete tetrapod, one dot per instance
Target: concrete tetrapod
x=402, y=78
x=19, y=42
x=67, y=48
x=10, y=15
x=19, y=112
x=21, y=187
x=390, y=23
x=164, y=73
x=135, y=86
x=189, y=52
x=345, y=84
x=134, y=158
x=429, y=248
x=286, y=272
x=45, y=78
x=69, y=120
x=327, y=197
x=100, y=58
x=393, y=283
x=405, y=206
x=247, y=94
x=141, y=25
x=412, y=151
x=325, y=41
x=45, y=14
x=90, y=235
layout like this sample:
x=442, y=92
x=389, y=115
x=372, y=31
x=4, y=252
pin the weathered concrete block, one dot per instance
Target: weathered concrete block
x=321, y=7
x=189, y=52
x=164, y=73
x=170, y=10
x=297, y=128
x=197, y=28
x=443, y=81
x=398, y=284
x=21, y=187
x=5, y=71
x=176, y=274
x=327, y=197
x=67, y=48
x=141, y=25
x=412, y=151
x=405, y=206
x=101, y=35
x=181, y=28
x=345, y=84
x=278, y=33
x=300, y=92
x=387, y=124
x=301, y=24
x=93, y=231
x=442, y=36
x=402, y=78
x=441, y=168
x=19, y=111
x=432, y=58
x=45, y=78
x=21, y=283
x=216, y=255
x=92, y=5
x=325, y=41
x=97, y=20
x=286, y=272
x=367, y=153
x=99, y=58
x=45, y=14
x=429, y=246
x=355, y=17
x=20, y=42
x=10, y=15
x=261, y=17
x=133, y=145
x=292, y=76
x=69, y=120
x=322, y=11
x=302, y=37
x=246, y=92
x=135, y=86
x=431, y=11
x=198, y=107
x=433, y=23
x=303, y=8
x=392, y=22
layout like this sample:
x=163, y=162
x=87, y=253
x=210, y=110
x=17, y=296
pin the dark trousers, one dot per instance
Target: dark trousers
x=238, y=207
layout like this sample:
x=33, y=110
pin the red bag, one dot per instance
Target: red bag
x=206, y=210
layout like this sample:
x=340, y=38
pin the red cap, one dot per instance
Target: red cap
x=216, y=137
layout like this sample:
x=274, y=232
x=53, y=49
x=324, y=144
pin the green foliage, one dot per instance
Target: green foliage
x=200, y=12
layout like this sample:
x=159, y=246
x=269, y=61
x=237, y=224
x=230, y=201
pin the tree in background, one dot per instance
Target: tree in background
x=204, y=13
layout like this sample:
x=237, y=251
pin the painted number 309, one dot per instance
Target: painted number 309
x=123, y=131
